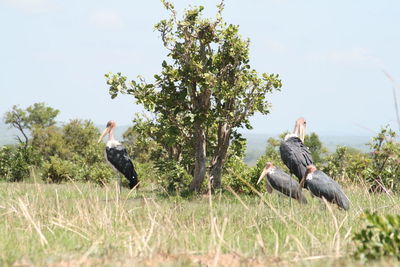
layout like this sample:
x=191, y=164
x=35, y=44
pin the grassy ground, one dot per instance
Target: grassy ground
x=83, y=224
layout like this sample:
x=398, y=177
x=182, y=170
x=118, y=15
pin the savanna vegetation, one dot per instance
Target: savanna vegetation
x=198, y=201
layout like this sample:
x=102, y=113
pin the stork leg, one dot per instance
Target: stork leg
x=119, y=181
x=279, y=200
x=322, y=204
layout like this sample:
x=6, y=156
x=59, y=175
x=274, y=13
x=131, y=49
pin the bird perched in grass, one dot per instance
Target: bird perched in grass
x=118, y=157
x=282, y=182
x=322, y=186
x=294, y=153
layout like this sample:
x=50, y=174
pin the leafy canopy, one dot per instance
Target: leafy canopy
x=206, y=88
x=37, y=115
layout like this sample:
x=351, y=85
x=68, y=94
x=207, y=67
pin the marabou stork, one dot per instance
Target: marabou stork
x=294, y=153
x=282, y=182
x=322, y=186
x=118, y=157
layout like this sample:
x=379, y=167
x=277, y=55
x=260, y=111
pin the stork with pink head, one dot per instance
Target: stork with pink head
x=118, y=157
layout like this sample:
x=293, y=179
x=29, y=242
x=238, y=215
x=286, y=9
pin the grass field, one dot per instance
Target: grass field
x=83, y=224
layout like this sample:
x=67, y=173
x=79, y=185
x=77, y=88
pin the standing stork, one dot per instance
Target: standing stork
x=282, y=182
x=294, y=153
x=322, y=186
x=118, y=157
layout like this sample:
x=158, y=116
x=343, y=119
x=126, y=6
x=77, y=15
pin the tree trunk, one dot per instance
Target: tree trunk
x=218, y=161
x=21, y=129
x=200, y=157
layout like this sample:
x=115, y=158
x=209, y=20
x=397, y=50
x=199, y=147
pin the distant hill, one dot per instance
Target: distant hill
x=256, y=143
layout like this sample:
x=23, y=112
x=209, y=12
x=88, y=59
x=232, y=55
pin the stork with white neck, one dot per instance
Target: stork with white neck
x=118, y=157
x=282, y=182
x=294, y=153
x=323, y=186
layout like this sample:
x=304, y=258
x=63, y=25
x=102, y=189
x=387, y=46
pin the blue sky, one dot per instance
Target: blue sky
x=329, y=54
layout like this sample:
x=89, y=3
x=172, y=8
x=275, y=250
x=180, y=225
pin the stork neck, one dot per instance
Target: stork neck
x=271, y=170
x=299, y=131
x=296, y=129
x=111, y=134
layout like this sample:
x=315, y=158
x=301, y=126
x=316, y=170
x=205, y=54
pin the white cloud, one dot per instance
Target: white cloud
x=353, y=56
x=107, y=20
x=31, y=6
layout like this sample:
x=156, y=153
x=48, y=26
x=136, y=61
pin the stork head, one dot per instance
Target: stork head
x=300, y=128
x=309, y=171
x=307, y=175
x=268, y=167
x=110, y=125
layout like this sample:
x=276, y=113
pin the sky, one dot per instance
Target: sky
x=330, y=56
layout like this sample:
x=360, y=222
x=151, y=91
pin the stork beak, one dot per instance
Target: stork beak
x=106, y=130
x=300, y=129
x=264, y=172
x=301, y=132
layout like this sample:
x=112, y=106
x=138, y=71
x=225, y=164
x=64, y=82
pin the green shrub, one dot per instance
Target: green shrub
x=58, y=170
x=49, y=142
x=100, y=174
x=235, y=170
x=347, y=164
x=384, y=173
x=173, y=177
x=147, y=172
x=271, y=155
x=6, y=158
x=72, y=153
x=80, y=135
x=316, y=147
x=380, y=237
x=16, y=162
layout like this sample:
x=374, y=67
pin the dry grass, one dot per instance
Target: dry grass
x=82, y=224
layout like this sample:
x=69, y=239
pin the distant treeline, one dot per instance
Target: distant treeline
x=69, y=152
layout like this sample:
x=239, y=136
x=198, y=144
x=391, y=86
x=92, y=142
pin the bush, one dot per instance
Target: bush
x=101, y=174
x=235, y=170
x=173, y=177
x=49, y=142
x=58, y=170
x=384, y=173
x=80, y=135
x=72, y=153
x=347, y=164
x=146, y=171
x=379, y=238
x=316, y=147
x=16, y=162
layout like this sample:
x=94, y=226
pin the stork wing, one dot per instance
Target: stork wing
x=119, y=159
x=285, y=184
x=296, y=156
x=324, y=186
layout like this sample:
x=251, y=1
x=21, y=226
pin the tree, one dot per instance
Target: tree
x=138, y=144
x=204, y=93
x=37, y=115
x=17, y=118
x=384, y=172
x=315, y=146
